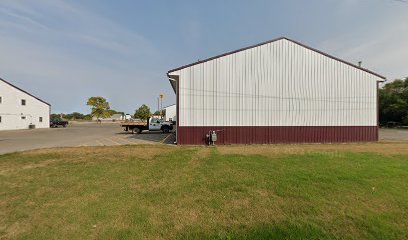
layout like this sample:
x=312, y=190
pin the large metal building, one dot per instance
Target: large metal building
x=279, y=91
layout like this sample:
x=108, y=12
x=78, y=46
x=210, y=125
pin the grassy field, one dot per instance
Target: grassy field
x=243, y=192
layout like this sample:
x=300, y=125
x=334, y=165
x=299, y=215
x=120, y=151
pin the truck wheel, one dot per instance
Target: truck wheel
x=166, y=129
x=136, y=130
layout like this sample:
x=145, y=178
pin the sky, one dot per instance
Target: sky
x=65, y=51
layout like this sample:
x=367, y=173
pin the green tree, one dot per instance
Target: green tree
x=160, y=113
x=116, y=112
x=88, y=117
x=100, y=107
x=74, y=115
x=394, y=102
x=55, y=116
x=143, y=112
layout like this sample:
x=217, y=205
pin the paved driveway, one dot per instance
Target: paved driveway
x=387, y=134
x=90, y=134
x=107, y=134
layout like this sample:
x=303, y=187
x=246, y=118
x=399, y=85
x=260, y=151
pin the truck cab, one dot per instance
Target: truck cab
x=155, y=124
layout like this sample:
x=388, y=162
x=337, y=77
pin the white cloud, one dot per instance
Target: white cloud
x=21, y=18
x=64, y=54
x=383, y=47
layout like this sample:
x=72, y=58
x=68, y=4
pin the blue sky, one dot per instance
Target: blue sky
x=65, y=51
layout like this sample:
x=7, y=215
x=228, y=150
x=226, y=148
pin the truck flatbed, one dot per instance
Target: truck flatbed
x=133, y=123
x=137, y=126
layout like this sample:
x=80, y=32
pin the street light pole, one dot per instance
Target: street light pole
x=161, y=104
x=158, y=104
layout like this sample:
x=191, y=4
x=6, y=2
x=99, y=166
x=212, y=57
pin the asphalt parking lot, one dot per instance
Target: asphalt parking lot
x=107, y=134
x=87, y=134
x=388, y=134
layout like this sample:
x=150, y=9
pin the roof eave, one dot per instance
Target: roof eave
x=14, y=86
x=274, y=40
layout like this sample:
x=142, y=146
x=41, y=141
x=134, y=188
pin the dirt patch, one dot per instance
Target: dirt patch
x=46, y=157
x=186, y=216
x=142, y=151
x=202, y=153
x=385, y=148
x=14, y=230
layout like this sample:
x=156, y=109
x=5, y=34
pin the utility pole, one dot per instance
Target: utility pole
x=161, y=104
x=158, y=104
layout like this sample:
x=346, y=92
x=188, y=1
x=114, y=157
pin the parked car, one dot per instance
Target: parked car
x=54, y=123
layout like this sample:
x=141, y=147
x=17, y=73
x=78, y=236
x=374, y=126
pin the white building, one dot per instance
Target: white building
x=114, y=117
x=20, y=110
x=126, y=117
x=170, y=113
x=280, y=91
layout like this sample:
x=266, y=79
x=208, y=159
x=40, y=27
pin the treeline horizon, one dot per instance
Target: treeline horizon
x=394, y=102
x=80, y=116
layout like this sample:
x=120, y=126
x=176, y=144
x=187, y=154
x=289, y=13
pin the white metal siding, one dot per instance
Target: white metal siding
x=276, y=84
x=11, y=110
x=171, y=113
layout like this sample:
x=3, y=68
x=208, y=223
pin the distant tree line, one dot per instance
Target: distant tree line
x=394, y=102
x=79, y=116
x=72, y=116
x=100, y=109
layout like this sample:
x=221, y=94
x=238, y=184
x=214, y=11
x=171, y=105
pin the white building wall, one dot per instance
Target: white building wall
x=276, y=84
x=171, y=112
x=115, y=117
x=11, y=110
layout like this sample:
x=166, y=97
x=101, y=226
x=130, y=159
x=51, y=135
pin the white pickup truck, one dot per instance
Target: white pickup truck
x=152, y=124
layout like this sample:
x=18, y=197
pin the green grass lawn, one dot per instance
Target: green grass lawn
x=160, y=192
